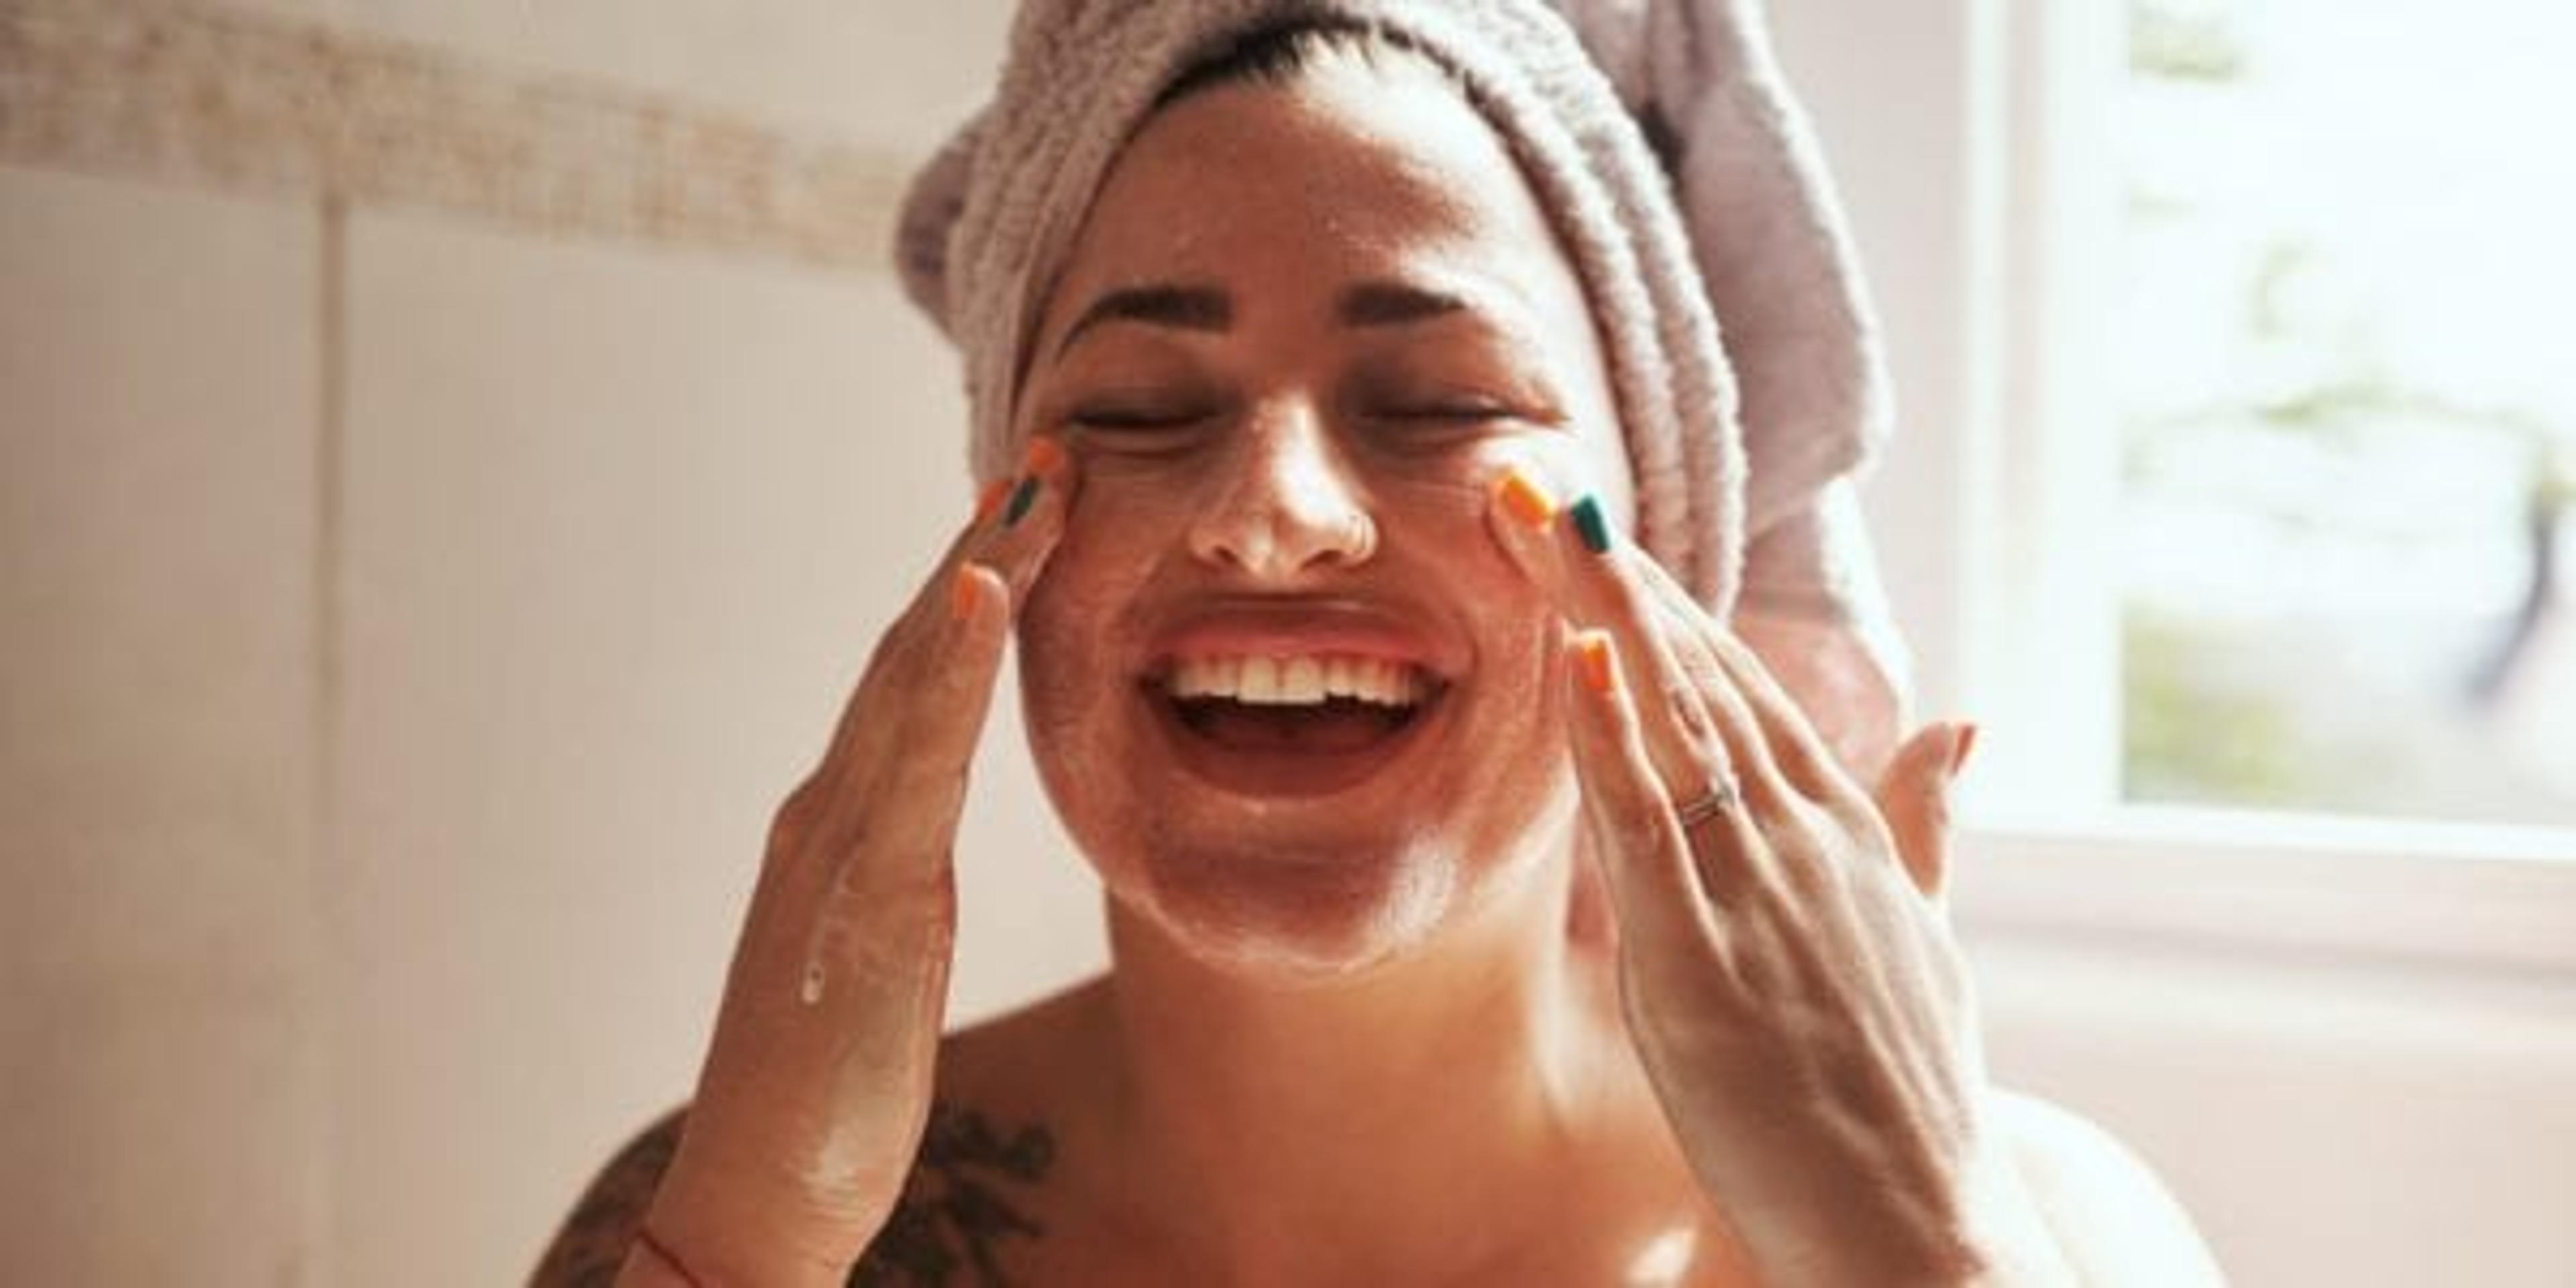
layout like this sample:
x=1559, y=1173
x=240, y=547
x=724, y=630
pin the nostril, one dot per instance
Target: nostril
x=1286, y=546
x=1362, y=539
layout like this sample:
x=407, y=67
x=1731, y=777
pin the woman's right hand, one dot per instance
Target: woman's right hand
x=817, y=1083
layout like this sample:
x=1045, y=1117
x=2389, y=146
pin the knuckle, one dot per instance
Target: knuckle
x=798, y=814
x=1807, y=874
x=1638, y=826
x=1697, y=727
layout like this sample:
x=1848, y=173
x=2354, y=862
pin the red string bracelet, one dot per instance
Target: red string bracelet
x=664, y=1255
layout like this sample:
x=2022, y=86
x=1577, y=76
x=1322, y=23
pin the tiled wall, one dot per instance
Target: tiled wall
x=160, y=1032
x=454, y=460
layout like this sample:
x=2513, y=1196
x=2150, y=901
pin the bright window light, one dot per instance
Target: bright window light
x=2344, y=374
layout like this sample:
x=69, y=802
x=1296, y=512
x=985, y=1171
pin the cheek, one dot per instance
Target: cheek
x=1077, y=628
x=1454, y=488
x=1067, y=626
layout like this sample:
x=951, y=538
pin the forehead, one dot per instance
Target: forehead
x=1347, y=171
x=1284, y=197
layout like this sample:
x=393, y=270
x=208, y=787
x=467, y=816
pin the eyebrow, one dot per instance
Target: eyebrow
x=1190, y=308
x=1395, y=303
x=1208, y=308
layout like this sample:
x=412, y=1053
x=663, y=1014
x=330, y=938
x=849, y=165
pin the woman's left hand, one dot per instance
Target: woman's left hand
x=1785, y=967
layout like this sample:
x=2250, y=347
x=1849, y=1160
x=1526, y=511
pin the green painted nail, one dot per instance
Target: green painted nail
x=1021, y=499
x=1591, y=525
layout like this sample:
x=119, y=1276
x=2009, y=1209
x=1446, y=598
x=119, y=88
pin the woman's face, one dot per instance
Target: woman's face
x=1286, y=690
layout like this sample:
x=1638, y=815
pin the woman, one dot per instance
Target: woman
x=1482, y=909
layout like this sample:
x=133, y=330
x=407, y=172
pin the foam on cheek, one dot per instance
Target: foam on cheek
x=1450, y=494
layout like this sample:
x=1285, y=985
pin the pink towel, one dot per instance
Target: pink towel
x=1663, y=141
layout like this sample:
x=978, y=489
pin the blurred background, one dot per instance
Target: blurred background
x=455, y=457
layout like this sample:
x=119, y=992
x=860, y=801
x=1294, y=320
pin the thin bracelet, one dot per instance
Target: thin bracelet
x=644, y=1238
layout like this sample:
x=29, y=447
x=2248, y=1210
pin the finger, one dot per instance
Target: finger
x=1791, y=738
x=1836, y=677
x=1016, y=526
x=1695, y=730
x=1028, y=515
x=1645, y=859
x=887, y=830
x=1521, y=513
x=1914, y=796
x=943, y=719
x=929, y=713
x=894, y=786
x=948, y=696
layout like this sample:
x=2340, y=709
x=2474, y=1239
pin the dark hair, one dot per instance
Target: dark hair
x=1280, y=52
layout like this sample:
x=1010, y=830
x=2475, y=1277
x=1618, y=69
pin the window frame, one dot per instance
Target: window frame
x=1968, y=136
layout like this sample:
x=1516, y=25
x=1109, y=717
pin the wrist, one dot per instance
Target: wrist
x=649, y=1264
x=700, y=1237
x=1980, y=1229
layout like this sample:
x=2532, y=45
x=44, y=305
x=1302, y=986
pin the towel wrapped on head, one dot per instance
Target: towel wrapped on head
x=1677, y=168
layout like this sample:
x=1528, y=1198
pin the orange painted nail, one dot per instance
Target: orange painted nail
x=990, y=499
x=1592, y=650
x=1044, y=455
x=963, y=590
x=1526, y=500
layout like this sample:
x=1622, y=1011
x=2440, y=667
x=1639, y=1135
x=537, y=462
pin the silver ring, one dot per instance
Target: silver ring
x=1719, y=798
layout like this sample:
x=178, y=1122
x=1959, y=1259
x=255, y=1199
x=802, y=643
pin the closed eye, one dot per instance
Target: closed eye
x=1454, y=412
x=1118, y=418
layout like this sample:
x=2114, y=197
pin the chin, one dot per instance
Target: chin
x=1303, y=789
x=1300, y=909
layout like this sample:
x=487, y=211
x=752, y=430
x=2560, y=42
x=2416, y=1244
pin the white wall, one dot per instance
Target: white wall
x=412, y=614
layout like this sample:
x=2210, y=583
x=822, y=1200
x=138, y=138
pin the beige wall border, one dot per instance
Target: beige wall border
x=229, y=100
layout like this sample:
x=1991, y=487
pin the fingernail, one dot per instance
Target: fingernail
x=1592, y=650
x=1967, y=742
x=1021, y=500
x=1591, y=525
x=990, y=499
x=1526, y=500
x=963, y=590
x=1044, y=455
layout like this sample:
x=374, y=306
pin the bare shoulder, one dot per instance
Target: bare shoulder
x=587, y=1251
x=2117, y=1222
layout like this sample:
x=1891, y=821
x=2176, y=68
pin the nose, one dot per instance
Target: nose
x=1284, y=503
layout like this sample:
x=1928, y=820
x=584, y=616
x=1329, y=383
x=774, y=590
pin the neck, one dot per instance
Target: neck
x=1345, y=1130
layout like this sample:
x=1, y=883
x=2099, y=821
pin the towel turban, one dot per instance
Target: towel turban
x=1663, y=142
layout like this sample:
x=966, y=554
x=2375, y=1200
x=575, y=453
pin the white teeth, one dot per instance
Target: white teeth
x=1301, y=680
x=1337, y=676
x=1259, y=682
x=1375, y=682
x=1306, y=680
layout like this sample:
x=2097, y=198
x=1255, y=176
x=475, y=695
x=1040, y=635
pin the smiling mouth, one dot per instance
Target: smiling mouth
x=1322, y=705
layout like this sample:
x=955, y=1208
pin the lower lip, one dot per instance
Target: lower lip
x=1287, y=774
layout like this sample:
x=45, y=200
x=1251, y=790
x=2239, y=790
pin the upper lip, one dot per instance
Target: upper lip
x=1291, y=627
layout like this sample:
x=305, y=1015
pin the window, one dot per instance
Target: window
x=2344, y=388
x=2230, y=401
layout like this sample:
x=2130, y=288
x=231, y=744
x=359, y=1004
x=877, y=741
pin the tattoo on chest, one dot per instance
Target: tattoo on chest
x=957, y=1208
